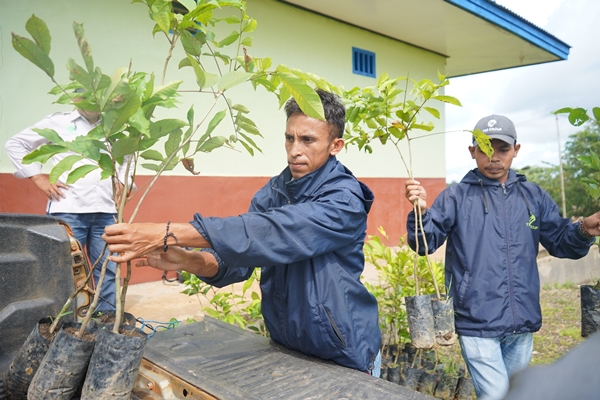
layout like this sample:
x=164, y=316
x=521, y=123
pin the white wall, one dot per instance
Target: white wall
x=119, y=32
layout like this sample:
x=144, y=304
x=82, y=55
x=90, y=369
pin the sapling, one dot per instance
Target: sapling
x=129, y=130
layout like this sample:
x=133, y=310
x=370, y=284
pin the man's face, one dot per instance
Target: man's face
x=496, y=168
x=308, y=144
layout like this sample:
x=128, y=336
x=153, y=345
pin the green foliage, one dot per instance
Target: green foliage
x=396, y=281
x=388, y=113
x=581, y=174
x=582, y=160
x=130, y=134
x=128, y=100
x=229, y=305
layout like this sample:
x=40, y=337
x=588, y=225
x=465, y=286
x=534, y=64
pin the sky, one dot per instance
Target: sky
x=528, y=95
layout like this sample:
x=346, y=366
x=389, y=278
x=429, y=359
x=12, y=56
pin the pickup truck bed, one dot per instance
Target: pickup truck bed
x=205, y=360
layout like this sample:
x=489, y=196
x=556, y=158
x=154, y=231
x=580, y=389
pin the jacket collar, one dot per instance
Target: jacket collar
x=310, y=182
x=332, y=172
x=474, y=177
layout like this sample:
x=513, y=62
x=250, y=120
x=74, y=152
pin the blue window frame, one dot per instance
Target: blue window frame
x=363, y=62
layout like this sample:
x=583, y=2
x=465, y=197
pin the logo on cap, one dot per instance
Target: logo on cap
x=491, y=122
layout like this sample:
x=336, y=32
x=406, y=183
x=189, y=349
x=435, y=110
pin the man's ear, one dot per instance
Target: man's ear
x=336, y=146
x=472, y=151
x=517, y=148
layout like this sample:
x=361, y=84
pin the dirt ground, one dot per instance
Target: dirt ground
x=161, y=301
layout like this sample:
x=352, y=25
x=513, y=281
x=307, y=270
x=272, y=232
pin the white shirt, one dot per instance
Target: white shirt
x=89, y=194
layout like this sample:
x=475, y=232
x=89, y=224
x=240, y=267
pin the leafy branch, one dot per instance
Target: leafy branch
x=128, y=133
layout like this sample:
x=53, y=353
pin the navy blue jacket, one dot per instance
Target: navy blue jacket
x=307, y=235
x=494, y=231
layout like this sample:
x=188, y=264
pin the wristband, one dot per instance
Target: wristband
x=167, y=235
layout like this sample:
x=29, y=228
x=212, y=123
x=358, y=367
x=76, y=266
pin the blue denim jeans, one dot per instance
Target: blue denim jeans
x=88, y=229
x=376, y=371
x=491, y=361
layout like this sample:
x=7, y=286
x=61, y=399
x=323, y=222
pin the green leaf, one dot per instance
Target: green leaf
x=250, y=128
x=215, y=121
x=249, y=25
x=152, y=155
x=124, y=147
x=578, y=116
x=596, y=113
x=484, y=142
x=308, y=100
x=448, y=99
x=114, y=120
x=249, y=140
x=241, y=108
x=164, y=127
x=43, y=153
x=233, y=36
x=163, y=21
x=212, y=143
x=564, y=110
x=232, y=19
x=233, y=78
x=106, y=164
x=151, y=167
x=39, y=32
x=190, y=44
x=426, y=127
x=163, y=93
x=63, y=166
x=28, y=49
x=79, y=74
x=84, y=46
x=266, y=84
x=433, y=111
x=49, y=134
x=247, y=41
x=173, y=142
x=140, y=122
x=203, y=78
x=80, y=172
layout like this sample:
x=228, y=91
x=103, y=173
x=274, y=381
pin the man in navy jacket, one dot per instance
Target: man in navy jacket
x=305, y=229
x=494, y=221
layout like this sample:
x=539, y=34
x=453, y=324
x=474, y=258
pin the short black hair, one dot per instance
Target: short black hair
x=335, y=112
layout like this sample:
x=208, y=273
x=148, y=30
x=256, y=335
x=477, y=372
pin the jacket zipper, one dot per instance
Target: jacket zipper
x=508, y=260
x=334, y=326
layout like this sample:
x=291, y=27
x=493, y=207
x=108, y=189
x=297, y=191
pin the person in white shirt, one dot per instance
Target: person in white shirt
x=86, y=205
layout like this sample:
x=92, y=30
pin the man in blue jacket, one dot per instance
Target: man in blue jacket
x=494, y=221
x=305, y=229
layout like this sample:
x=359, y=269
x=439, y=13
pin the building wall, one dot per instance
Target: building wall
x=120, y=33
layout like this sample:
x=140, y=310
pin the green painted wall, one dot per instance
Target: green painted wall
x=119, y=32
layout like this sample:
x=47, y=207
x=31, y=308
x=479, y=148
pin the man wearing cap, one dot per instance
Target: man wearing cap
x=494, y=221
x=87, y=205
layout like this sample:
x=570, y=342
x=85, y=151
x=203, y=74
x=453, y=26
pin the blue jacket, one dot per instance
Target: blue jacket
x=307, y=235
x=494, y=231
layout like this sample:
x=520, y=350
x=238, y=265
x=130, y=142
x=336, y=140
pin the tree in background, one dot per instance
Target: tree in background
x=576, y=172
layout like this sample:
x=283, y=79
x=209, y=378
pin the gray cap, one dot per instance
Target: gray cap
x=498, y=127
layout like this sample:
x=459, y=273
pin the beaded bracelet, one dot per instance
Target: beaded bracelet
x=167, y=235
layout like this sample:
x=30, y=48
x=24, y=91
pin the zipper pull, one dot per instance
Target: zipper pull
x=503, y=188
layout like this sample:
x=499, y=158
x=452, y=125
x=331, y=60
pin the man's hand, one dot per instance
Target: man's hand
x=131, y=241
x=195, y=262
x=592, y=224
x=51, y=190
x=415, y=192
